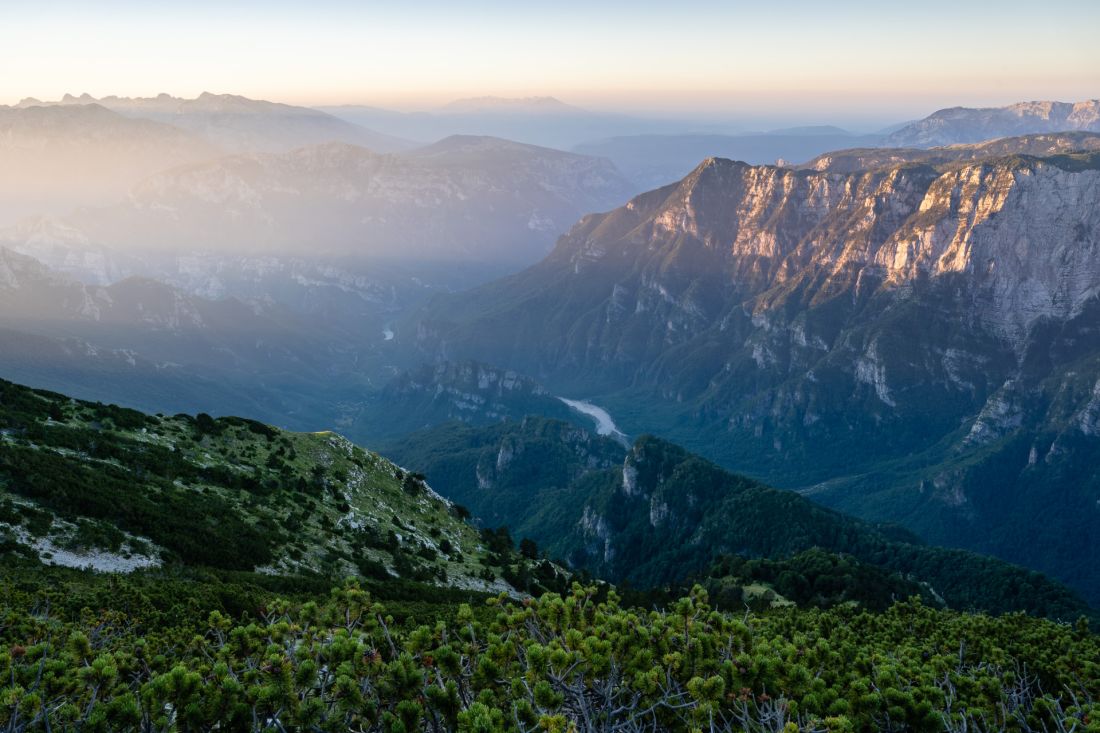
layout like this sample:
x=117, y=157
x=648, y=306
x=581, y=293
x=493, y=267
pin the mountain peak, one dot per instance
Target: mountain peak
x=712, y=165
x=84, y=98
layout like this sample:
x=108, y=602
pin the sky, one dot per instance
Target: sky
x=808, y=61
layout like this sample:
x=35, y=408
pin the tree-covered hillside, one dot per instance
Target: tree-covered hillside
x=209, y=548
x=655, y=514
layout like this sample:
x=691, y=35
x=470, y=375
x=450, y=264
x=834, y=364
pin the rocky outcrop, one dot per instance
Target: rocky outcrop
x=1025, y=234
x=1007, y=242
x=593, y=527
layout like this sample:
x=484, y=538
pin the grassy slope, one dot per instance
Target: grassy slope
x=83, y=483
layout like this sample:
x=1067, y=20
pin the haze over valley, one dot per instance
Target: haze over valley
x=531, y=369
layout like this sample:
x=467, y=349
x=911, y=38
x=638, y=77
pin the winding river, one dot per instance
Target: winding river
x=604, y=424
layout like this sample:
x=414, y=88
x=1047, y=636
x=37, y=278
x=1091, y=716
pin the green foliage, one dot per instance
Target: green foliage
x=226, y=493
x=543, y=460
x=811, y=578
x=561, y=662
x=200, y=528
x=682, y=513
x=528, y=548
x=205, y=644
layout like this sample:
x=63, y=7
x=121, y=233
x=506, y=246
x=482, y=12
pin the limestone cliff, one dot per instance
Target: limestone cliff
x=910, y=342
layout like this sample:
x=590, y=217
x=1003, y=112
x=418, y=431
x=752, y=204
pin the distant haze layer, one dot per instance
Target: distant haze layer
x=851, y=58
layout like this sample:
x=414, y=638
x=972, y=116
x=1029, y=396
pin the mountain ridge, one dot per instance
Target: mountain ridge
x=1040, y=145
x=91, y=485
x=55, y=159
x=237, y=123
x=892, y=335
x=464, y=198
x=510, y=105
x=970, y=125
x=652, y=514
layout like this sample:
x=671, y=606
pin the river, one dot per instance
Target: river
x=604, y=424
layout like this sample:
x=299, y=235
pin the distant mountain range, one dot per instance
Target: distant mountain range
x=239, y=124
x=653, y=152
x=1037, y=145
x=83, y=151
x=511, y=105
x=380, y=227
x=276, y=272
x=55, y=159
x=906, y=333
x=970, y=125
x=650, y=152
x=542, y=121
x=462, y=199
x=655, y=160
x=80, y=151
x=912, y=342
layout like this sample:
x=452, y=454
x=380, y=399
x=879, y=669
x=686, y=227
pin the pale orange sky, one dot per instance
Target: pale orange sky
x=699, y=56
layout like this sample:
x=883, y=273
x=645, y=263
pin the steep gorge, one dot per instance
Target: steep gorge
x=911, y=342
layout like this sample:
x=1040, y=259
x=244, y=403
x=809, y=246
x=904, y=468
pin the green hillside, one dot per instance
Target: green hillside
x=98, y=486
x=656, y=515
x=202, y=552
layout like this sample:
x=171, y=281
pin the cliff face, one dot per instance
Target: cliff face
x=1024, y=233
x=889, y=340
x=1001, y=243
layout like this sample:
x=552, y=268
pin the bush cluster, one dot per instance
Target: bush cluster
x=556, y=663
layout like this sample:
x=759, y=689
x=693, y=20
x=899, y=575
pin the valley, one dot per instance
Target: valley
x=754, y=314
x=883, y=341
x=507, y=414
x=189, y=511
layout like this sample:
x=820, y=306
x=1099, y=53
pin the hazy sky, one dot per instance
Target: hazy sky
x=829, y=60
